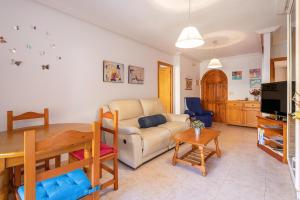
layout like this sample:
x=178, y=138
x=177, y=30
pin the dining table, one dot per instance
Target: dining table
x=12, y=148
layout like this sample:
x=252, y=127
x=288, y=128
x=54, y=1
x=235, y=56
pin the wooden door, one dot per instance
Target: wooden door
x=214, y=93
x=165, y=85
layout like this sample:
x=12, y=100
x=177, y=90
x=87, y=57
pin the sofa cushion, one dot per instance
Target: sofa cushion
x=151, y=121
x=152, y=106
x=174, y=127
x=128, y=109
x=154, y=139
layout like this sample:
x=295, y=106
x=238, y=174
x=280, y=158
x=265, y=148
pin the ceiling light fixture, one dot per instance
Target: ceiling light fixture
x=215, y=62
x=189, y=36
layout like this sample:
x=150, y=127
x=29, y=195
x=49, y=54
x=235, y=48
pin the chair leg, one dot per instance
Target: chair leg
x=116, y=176
x=17, y=176
x=100, y=170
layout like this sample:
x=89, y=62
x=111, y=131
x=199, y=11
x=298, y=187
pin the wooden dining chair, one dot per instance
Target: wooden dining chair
x=107, y=152
x=17, y=172
x=65, y=182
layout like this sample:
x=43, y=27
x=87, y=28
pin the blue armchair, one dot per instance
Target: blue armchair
x=195, y=111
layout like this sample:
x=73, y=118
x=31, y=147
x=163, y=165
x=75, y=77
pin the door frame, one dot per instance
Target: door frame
x=272, y=67
x=171, y=82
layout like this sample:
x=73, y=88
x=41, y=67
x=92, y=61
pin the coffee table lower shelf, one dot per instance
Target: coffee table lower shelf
x=194, y=158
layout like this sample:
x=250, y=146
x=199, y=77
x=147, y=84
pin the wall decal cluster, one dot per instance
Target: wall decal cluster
x=16, y=56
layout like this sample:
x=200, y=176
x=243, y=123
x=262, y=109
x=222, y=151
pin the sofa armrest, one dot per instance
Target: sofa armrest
x=178, y=117
x=190, y=113
x=206, y=112
x=123, y=129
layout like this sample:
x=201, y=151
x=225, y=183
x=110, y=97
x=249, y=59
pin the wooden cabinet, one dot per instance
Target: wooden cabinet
x=234, y=113
x=242, y=113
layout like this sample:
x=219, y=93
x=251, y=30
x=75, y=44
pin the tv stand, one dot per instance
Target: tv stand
x=272, y=137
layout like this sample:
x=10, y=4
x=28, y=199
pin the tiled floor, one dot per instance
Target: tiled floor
x=244, y=172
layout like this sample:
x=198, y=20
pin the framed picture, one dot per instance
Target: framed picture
x=188, y=84
x=135, y=75
x=254, y=73
x=237, y=75
x=255, y=83
x=113, y=72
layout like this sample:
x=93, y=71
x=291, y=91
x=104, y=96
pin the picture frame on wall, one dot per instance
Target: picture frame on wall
x=237, y=75
x=113, y=72
x=135, y=75
x=188, y=84
x=255, y=83
x=255, y=73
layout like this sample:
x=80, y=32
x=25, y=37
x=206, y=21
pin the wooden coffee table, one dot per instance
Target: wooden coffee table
x=199, y=153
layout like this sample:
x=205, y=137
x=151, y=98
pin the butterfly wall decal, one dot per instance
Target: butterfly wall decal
x=2, y=40
x=45, y=67
x=16, y=62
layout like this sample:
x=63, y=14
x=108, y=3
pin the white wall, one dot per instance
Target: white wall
x=237, y=89
x=189, y=68
x=73, y=88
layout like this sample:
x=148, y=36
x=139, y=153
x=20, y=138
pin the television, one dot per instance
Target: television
x=274, y=98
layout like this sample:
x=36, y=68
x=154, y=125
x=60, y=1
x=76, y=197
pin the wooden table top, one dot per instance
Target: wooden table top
x=189, y=136
x=11, y=143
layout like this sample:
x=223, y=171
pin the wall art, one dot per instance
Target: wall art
x=16, y=62
x=13, y=50
x=255, y=83
x=17, y=27
x=237, y=75
x=188, y=84
x=135, y=75
x=45, y=67
x=2, y=40
x=254, y=73
x=113, y=72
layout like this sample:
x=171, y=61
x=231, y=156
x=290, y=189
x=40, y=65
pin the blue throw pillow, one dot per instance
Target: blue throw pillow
x=151, y=121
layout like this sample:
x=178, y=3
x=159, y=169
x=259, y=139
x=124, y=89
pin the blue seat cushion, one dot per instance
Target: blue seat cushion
x=69, y=186
x=151, y=121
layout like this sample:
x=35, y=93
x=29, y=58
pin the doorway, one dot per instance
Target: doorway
x=165, y=85
x=278, y=69
x=214, y=92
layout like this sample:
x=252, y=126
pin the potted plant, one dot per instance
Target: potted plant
x=197, y=125
x=256, y=93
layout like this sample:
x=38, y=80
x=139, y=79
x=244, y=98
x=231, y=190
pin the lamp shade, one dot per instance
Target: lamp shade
x=189, y=38
x=214, y=63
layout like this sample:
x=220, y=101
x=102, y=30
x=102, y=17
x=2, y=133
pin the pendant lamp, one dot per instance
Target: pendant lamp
x=189, y=36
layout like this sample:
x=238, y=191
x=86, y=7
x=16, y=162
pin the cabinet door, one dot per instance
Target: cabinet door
x=251, y=117
x=234, y=115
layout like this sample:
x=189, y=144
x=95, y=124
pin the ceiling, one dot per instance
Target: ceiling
x=158, y=23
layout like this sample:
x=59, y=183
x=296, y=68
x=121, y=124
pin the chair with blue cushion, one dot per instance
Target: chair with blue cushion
x=195, y=111
x=67, y=182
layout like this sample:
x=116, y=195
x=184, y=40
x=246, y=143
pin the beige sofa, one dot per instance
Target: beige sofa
x=137, y=145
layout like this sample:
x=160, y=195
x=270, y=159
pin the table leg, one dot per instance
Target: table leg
x=4, y=180
x=218, y=151
x=88, y=154
x=202, y=158
x=175, y=153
